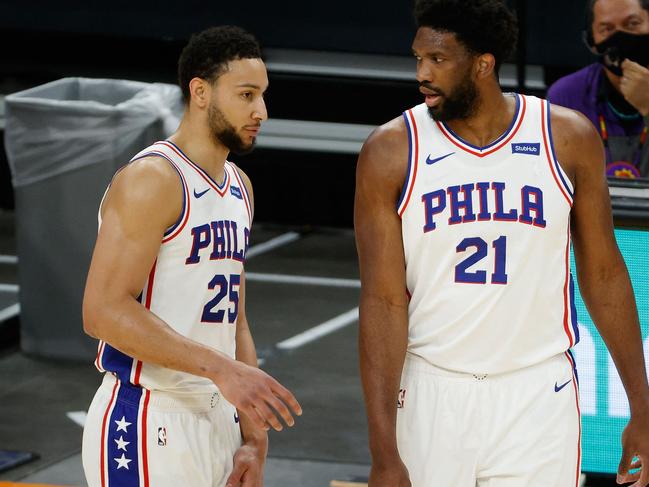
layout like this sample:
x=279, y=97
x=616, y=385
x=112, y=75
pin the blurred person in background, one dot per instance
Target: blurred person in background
x=614, y=92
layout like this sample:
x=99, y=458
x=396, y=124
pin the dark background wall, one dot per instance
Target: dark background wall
x=43, y=40
x=553, y=27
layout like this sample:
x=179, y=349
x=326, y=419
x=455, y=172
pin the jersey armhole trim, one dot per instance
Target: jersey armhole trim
x=559, y=174
x=245, y=194
x=413, y=156
x=177, y=227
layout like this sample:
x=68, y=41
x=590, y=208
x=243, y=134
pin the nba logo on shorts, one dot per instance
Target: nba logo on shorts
x=401, y=400
x=162, y=436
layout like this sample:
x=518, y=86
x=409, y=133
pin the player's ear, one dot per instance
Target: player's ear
x=199, y=90
x=485, y=65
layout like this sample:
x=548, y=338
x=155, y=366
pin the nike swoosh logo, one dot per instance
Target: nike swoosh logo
x=198, y=195
x=557, y=388
x=430, y=161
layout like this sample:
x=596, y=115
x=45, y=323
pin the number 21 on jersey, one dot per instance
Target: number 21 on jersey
x=499, y=275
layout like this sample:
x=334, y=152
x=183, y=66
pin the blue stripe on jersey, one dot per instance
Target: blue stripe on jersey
x=573, y=311
x=405, y=185
x=243, y=183
x=499, y=139
x=122, y=442
x=112, y=360
x=554, y=156
x=171, y=229
x=574, y=366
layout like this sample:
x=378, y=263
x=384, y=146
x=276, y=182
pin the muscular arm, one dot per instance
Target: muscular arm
x=380, y=175
x=603, y=278
x=144, y=200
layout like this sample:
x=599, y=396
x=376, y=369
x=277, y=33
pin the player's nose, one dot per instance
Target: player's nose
x=424, y=72
x=260, y=112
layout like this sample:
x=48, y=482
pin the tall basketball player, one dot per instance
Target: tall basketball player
x=166, y=294
x=465, y=209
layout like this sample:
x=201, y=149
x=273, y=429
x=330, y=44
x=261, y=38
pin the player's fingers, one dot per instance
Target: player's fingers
x=625, y=463
x=253, y=415
x=251, y=480
x=636, y=464
x=283, y=411
x=632, y=477
x=238, y=471
x=269, y=416
x=287, y=396
x=643, y=474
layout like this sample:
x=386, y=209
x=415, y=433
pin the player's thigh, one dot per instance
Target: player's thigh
x=226, y=434
x=538, y=444
x=180, y=447
x=91, y=443
x=434, y=432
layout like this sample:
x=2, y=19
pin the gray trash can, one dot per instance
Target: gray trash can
x=64, y=141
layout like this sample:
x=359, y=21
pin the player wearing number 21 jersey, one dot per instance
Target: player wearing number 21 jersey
x=466, y=207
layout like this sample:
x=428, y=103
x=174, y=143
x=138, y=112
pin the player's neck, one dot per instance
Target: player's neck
x=491, y=119
x=197, y=143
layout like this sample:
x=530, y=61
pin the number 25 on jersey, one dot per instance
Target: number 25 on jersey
x=225, y=286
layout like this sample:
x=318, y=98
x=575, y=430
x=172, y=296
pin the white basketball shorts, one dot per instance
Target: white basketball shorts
x=134, y=437
x=516, y=429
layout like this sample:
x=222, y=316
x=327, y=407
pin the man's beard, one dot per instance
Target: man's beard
x=224, y=133
x=460, y=104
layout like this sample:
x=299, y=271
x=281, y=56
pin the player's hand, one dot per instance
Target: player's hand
x=634, y=85
x=635, y=452
x=257, y=395
x=248, y=467
x=394, y=475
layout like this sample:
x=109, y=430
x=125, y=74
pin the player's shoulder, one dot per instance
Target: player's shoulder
x=568, y=124
x=576, y=141
x=383, y=160
x=386, y=148
x=147, y=182
x=153, y=172
x=392, y=135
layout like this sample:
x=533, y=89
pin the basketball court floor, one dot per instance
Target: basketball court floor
x=302, y=298
x=302, y=303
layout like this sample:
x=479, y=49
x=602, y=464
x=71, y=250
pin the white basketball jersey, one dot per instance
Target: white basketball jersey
x=486, y=234
x=194, y=283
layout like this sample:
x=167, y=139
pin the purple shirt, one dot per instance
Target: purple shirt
x=579, y=91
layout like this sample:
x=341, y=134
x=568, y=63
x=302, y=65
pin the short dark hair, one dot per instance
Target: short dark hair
x=207, y=54
x=590, y=17
x=481, y=25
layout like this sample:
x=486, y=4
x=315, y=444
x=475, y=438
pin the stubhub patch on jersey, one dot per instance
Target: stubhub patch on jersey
x=531, y=148
x=236, y=192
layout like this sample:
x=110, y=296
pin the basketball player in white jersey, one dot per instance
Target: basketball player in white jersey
x=165, y=294
x=465, y=208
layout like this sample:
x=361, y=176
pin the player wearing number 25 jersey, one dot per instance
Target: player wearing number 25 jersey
x=182, y=402
x=194, y=283
x=465, y=210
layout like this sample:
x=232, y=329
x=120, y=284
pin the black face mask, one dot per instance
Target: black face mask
x=620, y=46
